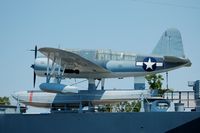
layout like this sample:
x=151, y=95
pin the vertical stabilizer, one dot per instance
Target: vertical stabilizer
x=170, y=44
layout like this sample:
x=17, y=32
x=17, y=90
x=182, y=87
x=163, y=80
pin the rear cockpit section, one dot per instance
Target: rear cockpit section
x=112, y=55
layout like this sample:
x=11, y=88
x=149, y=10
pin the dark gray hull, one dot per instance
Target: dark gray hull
x=148, y=122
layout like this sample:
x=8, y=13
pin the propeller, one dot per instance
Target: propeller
x=35, y=51
x=33, y=66
x=34, y=79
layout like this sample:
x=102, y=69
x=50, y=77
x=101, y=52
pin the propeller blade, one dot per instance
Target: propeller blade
x=33, y=65
x=35, y=51
x=34, y=79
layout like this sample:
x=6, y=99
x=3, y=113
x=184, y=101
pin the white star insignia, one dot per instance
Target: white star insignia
x=149, y=64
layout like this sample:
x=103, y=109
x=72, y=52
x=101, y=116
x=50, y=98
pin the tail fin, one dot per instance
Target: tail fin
x=170, y=44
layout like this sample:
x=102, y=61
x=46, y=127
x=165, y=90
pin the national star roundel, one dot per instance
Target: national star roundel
x=149, y=64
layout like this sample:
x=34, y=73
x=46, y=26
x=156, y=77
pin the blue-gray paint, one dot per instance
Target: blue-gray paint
x=139, y=86
x=196, y=89
x=170, y=44
x=147, y=122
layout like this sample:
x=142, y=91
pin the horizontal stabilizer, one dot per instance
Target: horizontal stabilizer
x=178, y=60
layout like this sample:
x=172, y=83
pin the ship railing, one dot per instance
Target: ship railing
x=186, y=97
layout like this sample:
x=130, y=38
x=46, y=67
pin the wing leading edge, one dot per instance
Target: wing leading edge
x=70, y=60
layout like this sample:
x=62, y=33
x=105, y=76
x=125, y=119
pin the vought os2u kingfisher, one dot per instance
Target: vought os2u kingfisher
x=99, y=65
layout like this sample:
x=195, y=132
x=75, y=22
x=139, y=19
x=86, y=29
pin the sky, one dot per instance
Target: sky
x=120, y=25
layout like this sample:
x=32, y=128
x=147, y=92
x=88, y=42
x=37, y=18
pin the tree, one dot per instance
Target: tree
x=155, y=83
x=4, y=101
x=128, y=106
x=105, y=108
x=133, y=106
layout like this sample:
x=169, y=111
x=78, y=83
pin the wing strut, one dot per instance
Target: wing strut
x=102, y=83
x=55, y=69
x=48, y=76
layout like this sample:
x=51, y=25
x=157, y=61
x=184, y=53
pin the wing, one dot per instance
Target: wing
x=70, y=60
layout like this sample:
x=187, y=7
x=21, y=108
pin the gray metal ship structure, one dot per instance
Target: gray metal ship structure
x=177, y=112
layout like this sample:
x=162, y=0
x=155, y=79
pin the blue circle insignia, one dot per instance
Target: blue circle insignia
x=149, y=64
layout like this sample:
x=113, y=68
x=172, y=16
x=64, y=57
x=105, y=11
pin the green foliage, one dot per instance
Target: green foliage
x=154, y=81
x=132, y=106
x=4, y=101
x=128, y=106
x=121, y=107
x=105, y=108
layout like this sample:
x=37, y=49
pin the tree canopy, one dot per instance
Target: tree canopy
x=4, y=101
x=154, y=81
